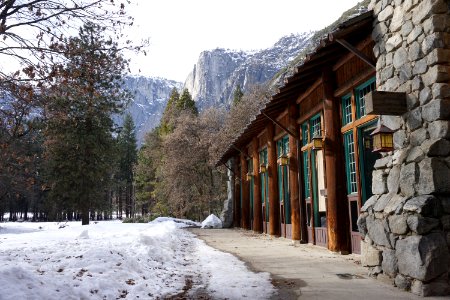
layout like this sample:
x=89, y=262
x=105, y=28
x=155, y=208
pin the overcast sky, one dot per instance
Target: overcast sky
x=180, y=29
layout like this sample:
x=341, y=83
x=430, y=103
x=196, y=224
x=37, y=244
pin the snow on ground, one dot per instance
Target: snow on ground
x=113, y=260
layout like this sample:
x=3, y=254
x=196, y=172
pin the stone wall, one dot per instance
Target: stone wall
x=406, y=224
x=226, y=216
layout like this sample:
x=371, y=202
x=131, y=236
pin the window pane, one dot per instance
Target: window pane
x=306, y=173
x=346, y=110
x=350, y=163
x=360, y=93
x=315, y=126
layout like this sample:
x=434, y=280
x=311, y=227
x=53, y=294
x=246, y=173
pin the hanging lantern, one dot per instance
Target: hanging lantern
x=317, y=142
x=383, y=138
x=248, y=176
x=262, y=168
x=283, y=160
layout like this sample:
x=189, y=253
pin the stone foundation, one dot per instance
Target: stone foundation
x=406, y=224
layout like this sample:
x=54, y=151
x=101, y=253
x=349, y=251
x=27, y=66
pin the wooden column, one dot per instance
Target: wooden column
x=237, y=193
x=337, y=210
x=293, y=174
x=274, y=202
x=257, y=212
x=245, y=217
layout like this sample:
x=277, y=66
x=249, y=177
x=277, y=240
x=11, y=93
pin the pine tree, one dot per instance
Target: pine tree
x=237, y=96
x=87, y=92
x=127, y=159
x=166, y=124
x=185, y=102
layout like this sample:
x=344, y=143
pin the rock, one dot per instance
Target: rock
x=437, y=109
x=393, y=180
x=433, y=177
x=421, y=225
x=441, y=90
x=370, y=256
x=386, y=13
x=420, y=67
x=382, y=163
x=425, y=95
x=415, y=51
x=422, y=257
x=395, y=204
x=426, y=205
x=397, y=224
x=373, y=272
x=438, y=287
x=439, y=129
x=399, y=139
x=407, y=27
x=415, y=33
x=212, y=222
x=402, y=283
x=392, y=122
x=379, y=184
x=226, y=216
x=418, y=137
x=377, y=232
x=435, y=74
x=400, y=58
x=382, y=202
x=362, y=226
x=445, y=204
x=415, y=155
x=400, y=156
x=440, y=147
x=445, y=221
x=387, y=73
x=414, y=119
x=438, y=56
x=369, y=203
x=389, y=264
x=426, y=7
x=397, y=19
x=408, y=175
x=394, y=42
x=436, y=23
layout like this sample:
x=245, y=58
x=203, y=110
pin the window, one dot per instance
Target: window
x=360, y=92
x=305, y=139
x=350, y=162
x=315, y=126
x=306, y=172
x=347, y=110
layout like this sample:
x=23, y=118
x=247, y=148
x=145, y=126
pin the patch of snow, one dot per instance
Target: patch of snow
x=212, y=222
x=118, y=260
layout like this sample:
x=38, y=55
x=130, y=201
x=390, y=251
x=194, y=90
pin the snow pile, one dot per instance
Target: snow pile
x=113, y=260
x=180, y=222
x=212, y=222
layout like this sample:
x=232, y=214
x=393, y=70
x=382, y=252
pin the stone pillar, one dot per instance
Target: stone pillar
x=337, y=206
x=257, y=212
x=245, y=216
x=293, y=173
x=407, y=222
x=227, y=213
x=274, y=202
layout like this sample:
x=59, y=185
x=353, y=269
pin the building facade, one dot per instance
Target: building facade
x=305, y=167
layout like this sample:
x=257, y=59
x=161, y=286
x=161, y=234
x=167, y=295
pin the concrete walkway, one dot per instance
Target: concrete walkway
x=302, y=271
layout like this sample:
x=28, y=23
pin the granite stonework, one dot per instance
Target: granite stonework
x=406, y=224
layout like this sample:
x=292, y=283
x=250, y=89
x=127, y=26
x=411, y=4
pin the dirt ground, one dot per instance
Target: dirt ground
x=302, y=271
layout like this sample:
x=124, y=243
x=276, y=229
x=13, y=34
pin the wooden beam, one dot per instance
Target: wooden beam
x=338, y=230
x=358, y=53
x=293, y=175
x=240, y=151
x=245, y=217
x=257, y=202
x=274, y=202
x=385, y=103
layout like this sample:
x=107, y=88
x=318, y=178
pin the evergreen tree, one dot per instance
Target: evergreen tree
x=127, y=159
x=88, y=91
x=185, y=102
x=166, y=124
x=237, y=96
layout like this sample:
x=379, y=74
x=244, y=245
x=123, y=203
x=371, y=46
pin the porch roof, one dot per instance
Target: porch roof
x=327, y=53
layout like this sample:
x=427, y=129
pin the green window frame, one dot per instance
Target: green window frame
x=360, y=92
x=347, y=110
x=283, y=178
x=305, y=139
x=263, y=159
x=306, y=174
x=350, y=162
x=315, y=126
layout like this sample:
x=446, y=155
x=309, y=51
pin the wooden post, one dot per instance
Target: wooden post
x=257, y=202
x=245, y=217
x=237, y=194
x=293, y=174
x=274, y=203
x=337, y=212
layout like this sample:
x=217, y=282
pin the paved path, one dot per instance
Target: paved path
x=302, y=271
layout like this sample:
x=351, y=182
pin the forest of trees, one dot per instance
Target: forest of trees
x=62, y=157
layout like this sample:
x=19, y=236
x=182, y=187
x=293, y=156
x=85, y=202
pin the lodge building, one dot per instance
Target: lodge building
x=312, y=165
x=303, y=166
